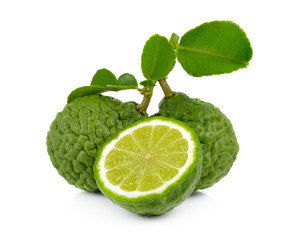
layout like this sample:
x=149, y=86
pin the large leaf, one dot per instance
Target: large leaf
x=158, y=58
x=104, y=77
x=214, y=48
x=90, y=90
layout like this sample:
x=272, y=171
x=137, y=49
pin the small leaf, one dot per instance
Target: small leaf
x=214, y=48
x=174, y=40
x=84, y=91
x=127, y=79
x=158, y=58
x=147, y=83
x=104, y=77
x=90, y=90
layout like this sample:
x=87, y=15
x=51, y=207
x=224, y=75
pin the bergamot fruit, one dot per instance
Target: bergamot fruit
x=151, y=166
x=214, y=130
x=80, y=129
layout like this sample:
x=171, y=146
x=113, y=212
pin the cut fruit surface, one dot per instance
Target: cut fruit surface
x=149, y=167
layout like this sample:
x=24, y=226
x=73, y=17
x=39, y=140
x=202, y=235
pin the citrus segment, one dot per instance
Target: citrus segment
x=128, y=142
x=132, y=180
x=166, y=171
x=142, y=137
x=176, y=159
x=150, y=180
x=117, y=157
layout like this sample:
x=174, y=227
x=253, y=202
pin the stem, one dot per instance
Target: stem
x=147, y=92
x=166, y=88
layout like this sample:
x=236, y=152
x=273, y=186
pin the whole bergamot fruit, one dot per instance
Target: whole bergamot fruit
x=80, y=129
x=214, y=130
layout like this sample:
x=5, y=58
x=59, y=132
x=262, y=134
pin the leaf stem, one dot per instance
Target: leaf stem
x=166, y=88
x=147, y=92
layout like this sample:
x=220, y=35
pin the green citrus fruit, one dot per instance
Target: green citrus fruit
x=214, y=130
x=149, y=167
x=80, y=129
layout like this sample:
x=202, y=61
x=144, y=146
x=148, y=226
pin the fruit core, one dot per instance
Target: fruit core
x=148, y=156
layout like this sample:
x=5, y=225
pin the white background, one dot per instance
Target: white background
x=49, y=48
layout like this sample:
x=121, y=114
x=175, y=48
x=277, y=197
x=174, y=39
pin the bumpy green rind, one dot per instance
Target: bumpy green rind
x=79, y=131
x=214, y=130
x=172, y=196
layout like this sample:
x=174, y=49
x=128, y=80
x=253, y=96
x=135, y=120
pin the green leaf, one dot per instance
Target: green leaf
x=119, y=87
x=104, y=77
x=158, y=58
x=214, y=48
x=90, y=90
x=174, y=40
x=147, y=83
x=84, y=91
x=103, y=81
x=127, y=79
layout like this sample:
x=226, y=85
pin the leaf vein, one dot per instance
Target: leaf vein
x=154, y=60
x=211, y=54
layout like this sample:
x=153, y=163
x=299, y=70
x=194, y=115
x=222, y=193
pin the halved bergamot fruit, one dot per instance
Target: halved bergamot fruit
x=151, y=166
